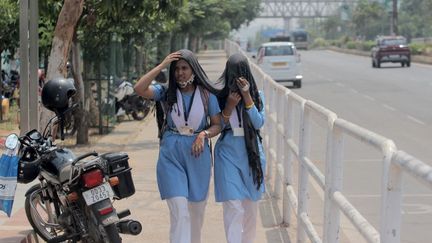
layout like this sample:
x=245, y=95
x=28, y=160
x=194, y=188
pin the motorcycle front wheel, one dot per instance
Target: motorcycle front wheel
x=42, y=214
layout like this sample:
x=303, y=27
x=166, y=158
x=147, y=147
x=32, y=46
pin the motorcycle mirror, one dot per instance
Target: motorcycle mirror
x=11, y=141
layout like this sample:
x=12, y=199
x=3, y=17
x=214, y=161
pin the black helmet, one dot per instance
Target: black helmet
x=56, y=94
x=28, y=166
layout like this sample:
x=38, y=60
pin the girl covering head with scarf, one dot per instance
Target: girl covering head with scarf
x=239, y=158
x=184, y=164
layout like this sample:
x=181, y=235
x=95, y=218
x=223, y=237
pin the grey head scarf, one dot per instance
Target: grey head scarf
x=200, y=76
x=171, y=96
x=238, y=66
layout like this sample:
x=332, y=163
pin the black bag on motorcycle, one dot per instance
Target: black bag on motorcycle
x=118, y=165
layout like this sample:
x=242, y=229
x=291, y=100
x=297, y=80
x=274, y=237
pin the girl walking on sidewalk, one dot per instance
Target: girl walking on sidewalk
x=184, y=164
x=239, y=159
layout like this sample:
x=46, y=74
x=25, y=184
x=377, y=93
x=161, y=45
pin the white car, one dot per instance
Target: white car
x=281, y=61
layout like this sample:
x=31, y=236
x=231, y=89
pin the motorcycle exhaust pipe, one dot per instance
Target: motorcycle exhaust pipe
x=129, y=226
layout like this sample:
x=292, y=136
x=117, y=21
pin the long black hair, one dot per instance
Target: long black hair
x=171, y=95
x=238, y=66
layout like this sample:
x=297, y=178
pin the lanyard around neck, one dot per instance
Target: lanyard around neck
x=238, y=109
x=187, y=111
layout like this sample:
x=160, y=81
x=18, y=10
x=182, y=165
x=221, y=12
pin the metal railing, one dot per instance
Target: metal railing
x=282, y=151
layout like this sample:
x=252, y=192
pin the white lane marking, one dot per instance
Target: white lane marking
x=369, y=97
x=407, y=208
x=416, y=209
x=354, y=91
x=378, y=195
x=416, y=120
x=361, y=160
x=340, y=85
x=389, y=107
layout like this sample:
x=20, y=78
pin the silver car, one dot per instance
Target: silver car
x=281, y=61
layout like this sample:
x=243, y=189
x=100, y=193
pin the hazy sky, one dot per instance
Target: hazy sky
x=246, y=32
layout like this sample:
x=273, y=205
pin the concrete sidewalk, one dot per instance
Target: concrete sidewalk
x=139, y=140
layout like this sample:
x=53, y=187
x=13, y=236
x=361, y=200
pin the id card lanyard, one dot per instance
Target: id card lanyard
x=187, y=111
x=238, y=131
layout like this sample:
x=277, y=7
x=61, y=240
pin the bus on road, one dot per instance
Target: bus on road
x=300, y=38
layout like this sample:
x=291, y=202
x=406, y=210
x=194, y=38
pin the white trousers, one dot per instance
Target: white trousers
x=240, y=220
x=186, y=220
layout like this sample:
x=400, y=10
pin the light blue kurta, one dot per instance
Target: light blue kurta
x=179, y=173
x=232, y=175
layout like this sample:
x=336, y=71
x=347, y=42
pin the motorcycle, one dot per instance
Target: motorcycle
x=10, y=83
x=129, y=103
x=73, y=200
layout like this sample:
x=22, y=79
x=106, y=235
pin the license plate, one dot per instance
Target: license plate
x=98, y=194
x=394, y=56
x=279, y=64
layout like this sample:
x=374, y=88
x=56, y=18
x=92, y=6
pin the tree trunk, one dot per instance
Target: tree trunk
x=63, y=34
x=90, y=69
x=163, y=43
x=193, y=42
x=138, y=61
x=81, y=115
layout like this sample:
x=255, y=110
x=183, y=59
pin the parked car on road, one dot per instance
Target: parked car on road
x=391, y=49
x=281, y=61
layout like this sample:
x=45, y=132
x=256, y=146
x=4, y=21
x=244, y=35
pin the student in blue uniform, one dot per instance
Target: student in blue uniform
x=239, y=159
x=184, y=164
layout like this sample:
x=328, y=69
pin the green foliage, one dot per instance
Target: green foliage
x=9, y=25
x=417, y=48
x=369, y=19
x=319, y=42
x=331, y=27
x=140, y=26
x=367, y=45
x=415, y=18
x=351, y=45
x=421, y=48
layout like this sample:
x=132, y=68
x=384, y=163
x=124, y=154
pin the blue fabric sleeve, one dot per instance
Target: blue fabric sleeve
x=213, y=105
x=159, y=92
x=257, y=117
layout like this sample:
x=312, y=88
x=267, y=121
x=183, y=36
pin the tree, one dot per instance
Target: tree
x=368, y=19
x=143, y=29
x=415, y=18
x=8, y=35
x=9, y=39
x=214, y=18
x=62, y=40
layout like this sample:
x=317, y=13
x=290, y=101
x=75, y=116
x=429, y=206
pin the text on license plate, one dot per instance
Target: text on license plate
x=98, y=194
x=278, y=64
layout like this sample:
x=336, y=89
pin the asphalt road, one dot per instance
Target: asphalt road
x=392, y=101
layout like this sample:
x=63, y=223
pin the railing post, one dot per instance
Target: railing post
x=391, y=197
x=270, y=138
x=304, y=148
x=333, y=181
x=279, y=136
x=288, y=158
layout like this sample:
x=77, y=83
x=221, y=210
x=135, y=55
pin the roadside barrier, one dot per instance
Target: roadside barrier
x=287, y=141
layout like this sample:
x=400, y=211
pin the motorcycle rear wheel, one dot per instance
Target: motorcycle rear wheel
x=42, y=225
